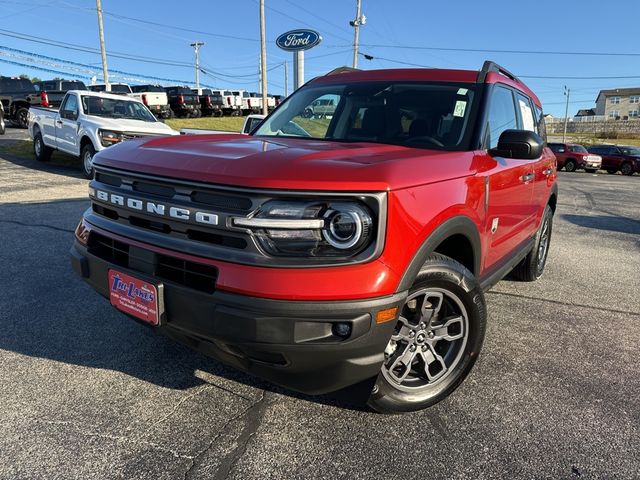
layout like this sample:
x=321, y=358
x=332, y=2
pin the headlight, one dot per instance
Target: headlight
x=300, y=228
x=109, y=137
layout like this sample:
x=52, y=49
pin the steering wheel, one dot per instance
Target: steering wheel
x=425, y=139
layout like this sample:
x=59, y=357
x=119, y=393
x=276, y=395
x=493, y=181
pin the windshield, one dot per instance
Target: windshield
x=578, y=149
x=110, y=108
x=631, y=151
x=147, y=88
x=120, y=88
x=423, y=115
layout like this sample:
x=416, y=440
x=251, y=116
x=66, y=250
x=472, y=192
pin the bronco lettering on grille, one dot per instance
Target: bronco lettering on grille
x=159, y=209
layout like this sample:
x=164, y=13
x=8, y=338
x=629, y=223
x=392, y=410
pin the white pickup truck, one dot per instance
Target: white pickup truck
x=89, y=122
x=155, y=98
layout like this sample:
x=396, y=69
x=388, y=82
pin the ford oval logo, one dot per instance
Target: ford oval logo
x=298, y=40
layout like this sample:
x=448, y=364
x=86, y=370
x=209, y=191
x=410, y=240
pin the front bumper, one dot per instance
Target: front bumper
x=290, y=343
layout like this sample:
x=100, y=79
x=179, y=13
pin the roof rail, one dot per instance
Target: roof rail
x=490, y=66
x=338, y=70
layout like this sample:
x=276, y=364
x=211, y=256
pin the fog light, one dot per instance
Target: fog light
x=341, y=329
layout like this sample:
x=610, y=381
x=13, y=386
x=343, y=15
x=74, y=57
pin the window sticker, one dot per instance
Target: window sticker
x=462, y=91
x=460, y=108
x=527, y=116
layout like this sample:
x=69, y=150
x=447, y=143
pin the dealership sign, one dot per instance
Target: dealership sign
x=295, y=40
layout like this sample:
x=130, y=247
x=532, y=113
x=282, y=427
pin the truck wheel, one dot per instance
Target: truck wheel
x=436, y=341
x=40, y=150
x=87, y=160
x=532, y=267
x=22, y=117
x=570, y=166
x=3, y=126
x=626, y=169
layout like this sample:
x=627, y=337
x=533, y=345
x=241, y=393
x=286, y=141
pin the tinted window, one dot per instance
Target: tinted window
x=66, y=86
x=556, y=147
x=49, y=85
x=120, y=88
x=502, y=115
x=578, y=149
x=542, y=126
x=22, y=85
x=97, y=88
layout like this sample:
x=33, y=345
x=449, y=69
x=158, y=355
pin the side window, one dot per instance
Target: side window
x=70, y=108
x=526, y=114
x=542, y=126
x=502, y=115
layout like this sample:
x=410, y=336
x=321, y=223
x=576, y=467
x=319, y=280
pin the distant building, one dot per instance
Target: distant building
x=586, y=112
x=623, y=103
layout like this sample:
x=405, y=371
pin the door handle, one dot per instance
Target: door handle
x=527, y=177
x=59, y=122
x=548, y=171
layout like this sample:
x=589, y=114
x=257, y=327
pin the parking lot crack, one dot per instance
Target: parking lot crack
x=252, y=416
x=558, y=302
x=37, y=225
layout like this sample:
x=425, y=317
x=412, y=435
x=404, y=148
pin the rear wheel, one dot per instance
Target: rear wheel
x=436, y=341
x=570, y=166
x=532, y=267
x=87, y=160
x=626, y=169
x=22, y=117
x=40, y=150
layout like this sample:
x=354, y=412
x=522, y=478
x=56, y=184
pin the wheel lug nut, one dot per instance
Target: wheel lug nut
x=412, y=334
x=424, y=348
x=413, y=348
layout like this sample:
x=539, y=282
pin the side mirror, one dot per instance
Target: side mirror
x=521, y=144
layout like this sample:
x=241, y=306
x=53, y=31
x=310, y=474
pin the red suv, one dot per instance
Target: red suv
x=614, y=158
x=571, y=157
x=323, y=252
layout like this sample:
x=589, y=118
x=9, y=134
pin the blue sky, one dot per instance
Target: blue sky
x=392, y=26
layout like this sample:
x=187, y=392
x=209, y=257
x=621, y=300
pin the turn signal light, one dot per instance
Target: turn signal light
x=386, y=315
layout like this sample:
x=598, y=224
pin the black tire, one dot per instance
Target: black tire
x=87, y=163
x=612, y=171
x=570, y=165
x=22, y=117
x=40, y=150
x=532, y=266
x=626, y=169
x=455, y=288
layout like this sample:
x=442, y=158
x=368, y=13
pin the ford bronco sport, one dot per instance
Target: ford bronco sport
x=320, y=253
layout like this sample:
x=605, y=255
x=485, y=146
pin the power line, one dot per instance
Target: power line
x=489, y=50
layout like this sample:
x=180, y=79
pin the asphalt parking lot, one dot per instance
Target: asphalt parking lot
x=87, y=393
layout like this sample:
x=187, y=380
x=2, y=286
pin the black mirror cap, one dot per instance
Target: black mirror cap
x=521, y=144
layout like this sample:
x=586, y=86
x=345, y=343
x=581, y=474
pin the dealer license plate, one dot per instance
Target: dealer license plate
x=134, y=296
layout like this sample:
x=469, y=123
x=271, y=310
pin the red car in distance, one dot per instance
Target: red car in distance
x=571, y=156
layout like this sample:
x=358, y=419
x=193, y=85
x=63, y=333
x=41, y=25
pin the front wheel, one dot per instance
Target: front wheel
x=532, y=267
x=570, y=166
x=436, y=341
x=87, y=160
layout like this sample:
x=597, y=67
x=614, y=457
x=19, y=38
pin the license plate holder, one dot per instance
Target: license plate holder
x=135, y=296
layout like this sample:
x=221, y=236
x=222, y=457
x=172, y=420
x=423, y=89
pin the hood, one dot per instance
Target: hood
x=286, y=163
x=130, y=125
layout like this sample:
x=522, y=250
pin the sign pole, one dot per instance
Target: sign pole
x=298, y=69
x=297, y=41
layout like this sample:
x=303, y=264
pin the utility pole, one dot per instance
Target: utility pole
x=359, y=21
x=196, y=46
x=286, y=80
x=263, y=61
x=105, y=73
x=567, y=92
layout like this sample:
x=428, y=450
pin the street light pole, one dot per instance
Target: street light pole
x=196, y=46
x=567, y=92
x=105, y=73
x=356, y=33
x=263, y=61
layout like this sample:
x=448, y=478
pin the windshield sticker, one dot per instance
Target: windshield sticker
x=461, y=106
x=462, y=91
x=527, y=116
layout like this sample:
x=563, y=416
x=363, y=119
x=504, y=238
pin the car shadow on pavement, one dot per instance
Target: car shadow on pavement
x=48, y=312
x=60, y=164
x=605, y=222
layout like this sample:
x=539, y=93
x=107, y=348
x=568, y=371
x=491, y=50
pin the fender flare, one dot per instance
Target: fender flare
x=459, y=225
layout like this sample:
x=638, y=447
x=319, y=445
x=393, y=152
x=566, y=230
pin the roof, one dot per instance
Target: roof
x=586, y=112
x=113, y=96
x=618, y=91
x=420, y=74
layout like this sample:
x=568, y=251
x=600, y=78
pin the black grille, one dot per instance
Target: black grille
x=184, y=272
